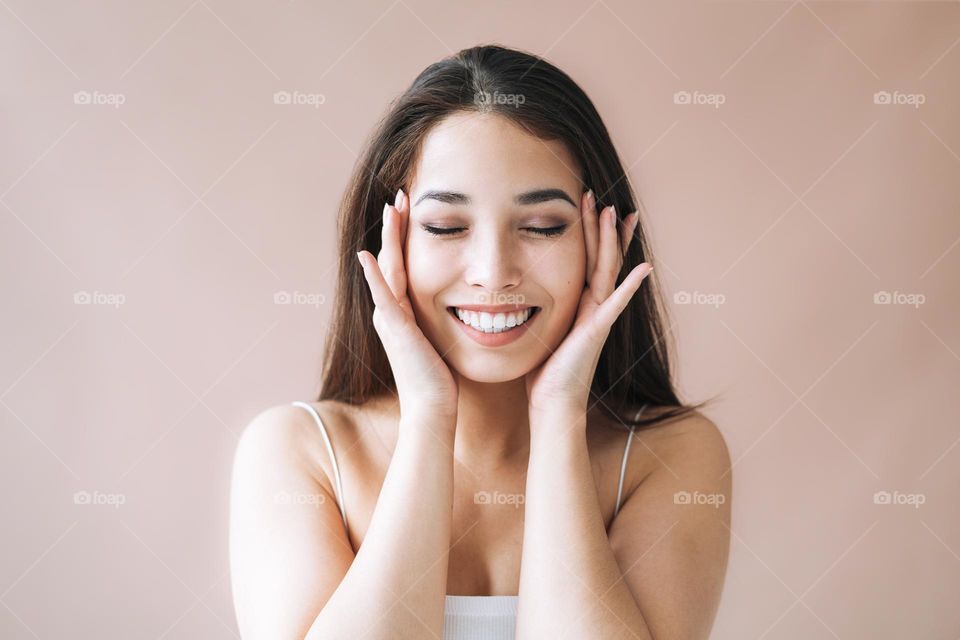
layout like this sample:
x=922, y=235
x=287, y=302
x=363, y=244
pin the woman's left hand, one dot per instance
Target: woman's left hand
x=563, y=381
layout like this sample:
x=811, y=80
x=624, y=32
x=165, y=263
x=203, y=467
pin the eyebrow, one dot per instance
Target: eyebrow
x=530, y=197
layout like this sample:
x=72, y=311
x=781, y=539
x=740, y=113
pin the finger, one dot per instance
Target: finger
x=383, y=297
x=629, y=226
x=614, y=305
x=390, y=258
x=608, y=257
x=404, y=211
x=588, y=214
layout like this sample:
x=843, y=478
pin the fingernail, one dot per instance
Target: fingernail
x=613, y=216
x=591, y=202
x=398, y=201
x=386, y=210
x=360, y=259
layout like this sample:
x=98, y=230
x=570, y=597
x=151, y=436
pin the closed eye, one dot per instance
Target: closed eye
x=548, y=231
x=540, y=231
x=442, y=231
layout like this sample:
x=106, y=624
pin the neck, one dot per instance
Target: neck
x=493, y=427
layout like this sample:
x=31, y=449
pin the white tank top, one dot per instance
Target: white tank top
x=466, y=617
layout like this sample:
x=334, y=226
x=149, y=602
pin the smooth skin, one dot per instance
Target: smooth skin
x=413, y=463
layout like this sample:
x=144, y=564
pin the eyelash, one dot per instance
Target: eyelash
x=540, y=231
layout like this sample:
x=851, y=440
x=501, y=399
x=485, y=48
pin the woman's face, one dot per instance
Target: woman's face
x=491, y=188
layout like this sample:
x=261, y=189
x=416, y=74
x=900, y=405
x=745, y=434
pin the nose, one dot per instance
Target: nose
x=493, y=264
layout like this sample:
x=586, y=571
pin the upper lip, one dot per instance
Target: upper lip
x=493, y=308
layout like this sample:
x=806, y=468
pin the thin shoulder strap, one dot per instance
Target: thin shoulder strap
x=623, y=463
x=333, y=458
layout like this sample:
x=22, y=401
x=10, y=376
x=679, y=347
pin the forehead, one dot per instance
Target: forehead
x=484, y=152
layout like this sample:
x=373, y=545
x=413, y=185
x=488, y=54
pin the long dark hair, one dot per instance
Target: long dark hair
x=634, y=370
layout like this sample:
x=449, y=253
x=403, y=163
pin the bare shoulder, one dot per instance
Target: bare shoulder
x=287, y=435
x=694, y=441
x=689, y=445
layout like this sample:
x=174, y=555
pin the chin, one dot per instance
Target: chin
x=479, y=364
x=493, y=373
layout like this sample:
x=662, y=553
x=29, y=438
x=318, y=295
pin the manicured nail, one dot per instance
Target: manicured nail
x=360, y=258
x=591, y=201
x=398, y=201
x=613, y=216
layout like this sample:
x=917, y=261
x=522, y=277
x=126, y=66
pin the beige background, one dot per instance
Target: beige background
x=182, y=212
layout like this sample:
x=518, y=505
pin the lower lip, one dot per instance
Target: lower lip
x=493, y=339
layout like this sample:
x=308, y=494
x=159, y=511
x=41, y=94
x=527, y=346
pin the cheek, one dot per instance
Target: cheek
x=424, y=280
x=563, y=277
x=563, y=270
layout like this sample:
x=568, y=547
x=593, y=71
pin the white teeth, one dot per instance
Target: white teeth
x=493, y=322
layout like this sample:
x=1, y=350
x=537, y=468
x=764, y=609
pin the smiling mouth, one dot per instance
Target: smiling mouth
x=485, y=322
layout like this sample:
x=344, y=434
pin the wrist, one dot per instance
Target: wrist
x=429, y=425
x=557, y=404
x=558, y=421
x=566, y=410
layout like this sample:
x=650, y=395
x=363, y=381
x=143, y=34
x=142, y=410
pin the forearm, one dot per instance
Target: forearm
x=396, y=584
x=570, y=582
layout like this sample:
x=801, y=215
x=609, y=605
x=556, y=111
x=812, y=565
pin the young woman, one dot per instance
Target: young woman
x=497, y=450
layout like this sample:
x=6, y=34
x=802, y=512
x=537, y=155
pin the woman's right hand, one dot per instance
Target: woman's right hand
x=424, y=383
